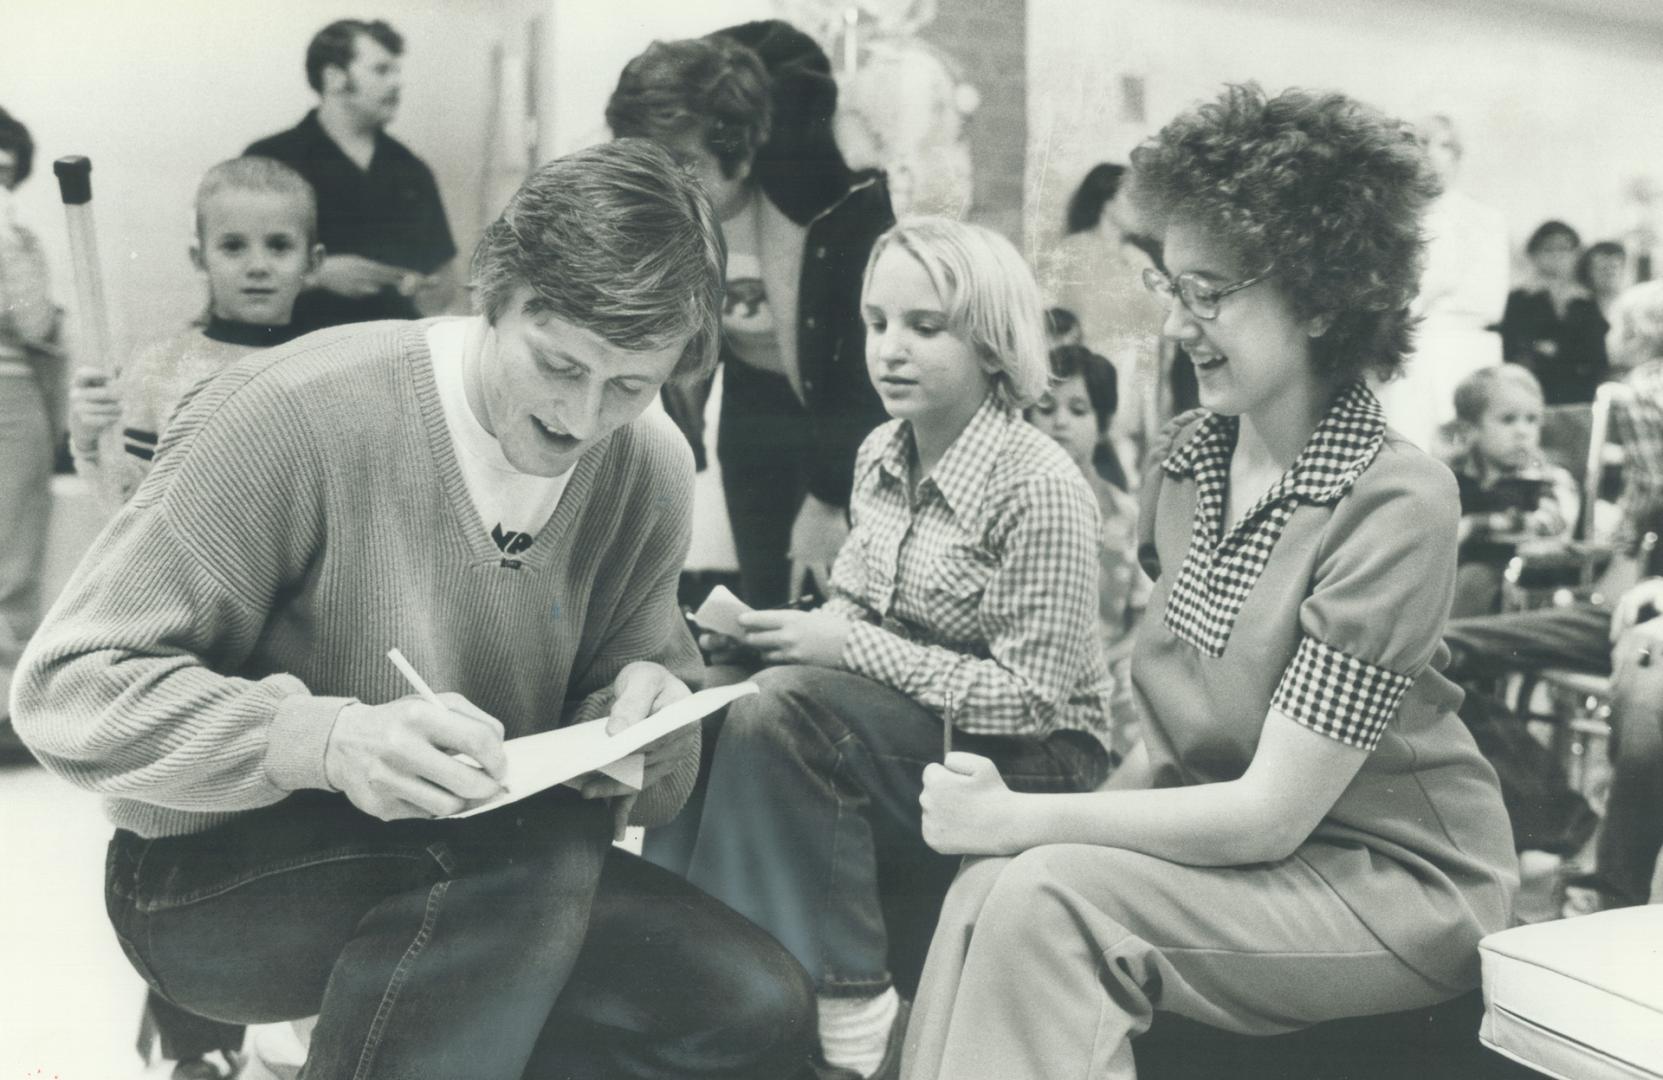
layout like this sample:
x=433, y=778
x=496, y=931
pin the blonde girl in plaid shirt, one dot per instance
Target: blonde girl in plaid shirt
x=965, y=596
x=1306, y=830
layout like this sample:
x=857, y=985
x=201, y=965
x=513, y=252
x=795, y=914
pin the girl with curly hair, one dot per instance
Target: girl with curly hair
x=1306, y=831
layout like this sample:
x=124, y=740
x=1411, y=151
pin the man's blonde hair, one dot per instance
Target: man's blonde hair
x=989, y=294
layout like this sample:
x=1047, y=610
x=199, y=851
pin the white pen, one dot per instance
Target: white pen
x=411, y=676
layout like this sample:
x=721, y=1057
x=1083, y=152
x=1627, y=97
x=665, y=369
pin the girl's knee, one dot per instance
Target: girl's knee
x=1051, y=885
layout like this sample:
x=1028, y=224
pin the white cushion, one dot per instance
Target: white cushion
x=1580, y=999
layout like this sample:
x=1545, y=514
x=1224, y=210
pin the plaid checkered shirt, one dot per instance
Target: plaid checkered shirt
x=976, y=594
x=1637, y=422
x=1325, y=689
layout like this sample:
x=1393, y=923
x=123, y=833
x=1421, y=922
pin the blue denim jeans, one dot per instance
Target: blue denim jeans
x=811, y=825
x=514, y=944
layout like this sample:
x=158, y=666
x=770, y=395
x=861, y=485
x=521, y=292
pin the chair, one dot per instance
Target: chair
x=1579, y=998
x=1575, y=437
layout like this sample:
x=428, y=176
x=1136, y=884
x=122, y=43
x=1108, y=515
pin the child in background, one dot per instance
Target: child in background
x=1508, y=489
x=1075, y=412
x=256, y=240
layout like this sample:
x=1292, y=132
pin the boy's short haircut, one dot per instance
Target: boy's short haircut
x=990, y=296
x=260, y=174
x=336, y=44
x=15, y=137
x=1601, y=250
x=617, y=240
x=712, y=85
x=1475, y=392
x=1101, y=379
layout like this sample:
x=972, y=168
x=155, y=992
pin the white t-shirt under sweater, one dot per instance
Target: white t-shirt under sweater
x=512, y=505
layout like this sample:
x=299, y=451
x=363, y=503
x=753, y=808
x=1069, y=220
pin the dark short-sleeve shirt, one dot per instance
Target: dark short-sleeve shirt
x=390, y=212
x=1326, y=602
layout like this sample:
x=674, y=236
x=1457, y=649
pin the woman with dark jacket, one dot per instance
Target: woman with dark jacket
x=1555, y=329
x=750, y=110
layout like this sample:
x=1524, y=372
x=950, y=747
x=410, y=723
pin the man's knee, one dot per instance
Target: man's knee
x=772, y=1017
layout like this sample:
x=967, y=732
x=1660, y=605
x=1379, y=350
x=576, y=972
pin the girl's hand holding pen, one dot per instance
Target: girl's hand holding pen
x=968, y=810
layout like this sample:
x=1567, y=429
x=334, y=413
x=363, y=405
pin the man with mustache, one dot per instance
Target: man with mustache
x=379, y=212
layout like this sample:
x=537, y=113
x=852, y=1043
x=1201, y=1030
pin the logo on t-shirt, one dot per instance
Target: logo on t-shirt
x=510, y=542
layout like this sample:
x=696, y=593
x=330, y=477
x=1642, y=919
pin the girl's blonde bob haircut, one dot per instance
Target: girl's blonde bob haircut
x=989, y=294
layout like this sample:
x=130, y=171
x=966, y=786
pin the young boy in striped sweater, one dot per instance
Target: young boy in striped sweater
x=256, y=242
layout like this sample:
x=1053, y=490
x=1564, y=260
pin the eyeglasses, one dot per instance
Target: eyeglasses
x=1200, y=297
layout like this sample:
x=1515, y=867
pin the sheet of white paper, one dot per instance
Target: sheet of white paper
x=630, y=771
x=720, y=612
x=536, y=762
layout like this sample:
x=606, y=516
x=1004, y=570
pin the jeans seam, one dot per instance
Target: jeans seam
x=151, y=906
x=395, y=984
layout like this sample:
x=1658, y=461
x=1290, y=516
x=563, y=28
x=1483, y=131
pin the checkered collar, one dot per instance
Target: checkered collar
x=1220, y=569
x=1343, y=445
x=961, y=474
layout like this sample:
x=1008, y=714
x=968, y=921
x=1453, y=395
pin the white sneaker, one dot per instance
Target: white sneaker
x=277, y=1051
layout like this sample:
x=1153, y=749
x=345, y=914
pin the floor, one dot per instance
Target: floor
x=69, y=1004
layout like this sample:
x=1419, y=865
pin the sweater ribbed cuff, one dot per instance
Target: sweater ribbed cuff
x=663, y=800
x=298, y=738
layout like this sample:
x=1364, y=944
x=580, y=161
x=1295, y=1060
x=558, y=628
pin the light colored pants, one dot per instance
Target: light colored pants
x=25, y=507
x=1046, y=964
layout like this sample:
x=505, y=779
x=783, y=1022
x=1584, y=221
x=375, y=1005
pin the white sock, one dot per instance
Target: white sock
x=854, y=1032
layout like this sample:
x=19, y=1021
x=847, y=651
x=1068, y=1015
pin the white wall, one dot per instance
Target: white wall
x=157, y=91
x=1558, y=111
x=592, y=40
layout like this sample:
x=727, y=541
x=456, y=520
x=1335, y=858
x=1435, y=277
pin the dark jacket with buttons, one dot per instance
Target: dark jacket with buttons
x=802, y=172
x=831, y=336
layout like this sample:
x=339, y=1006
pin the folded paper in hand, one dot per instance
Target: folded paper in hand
x=537, y=762
x=720, y=612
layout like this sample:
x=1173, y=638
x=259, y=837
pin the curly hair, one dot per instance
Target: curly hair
x=713, y=85
x=1318, y=186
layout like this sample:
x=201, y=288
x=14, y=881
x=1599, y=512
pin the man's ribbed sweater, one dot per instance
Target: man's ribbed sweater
x=305, y=514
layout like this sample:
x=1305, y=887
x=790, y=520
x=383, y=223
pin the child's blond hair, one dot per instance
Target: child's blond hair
x=989, y=293
x=1636, y=333
x=259, y=174
x=1476, y=392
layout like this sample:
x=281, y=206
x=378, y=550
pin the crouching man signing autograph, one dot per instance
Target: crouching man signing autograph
x=217, y=668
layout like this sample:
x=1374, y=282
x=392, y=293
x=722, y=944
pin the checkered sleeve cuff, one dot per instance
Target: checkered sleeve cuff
x=1338, y=695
